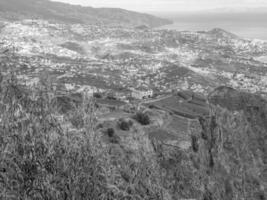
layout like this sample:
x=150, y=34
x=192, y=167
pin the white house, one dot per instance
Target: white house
x=70, y=86
x=88, y=90
x=142, y=93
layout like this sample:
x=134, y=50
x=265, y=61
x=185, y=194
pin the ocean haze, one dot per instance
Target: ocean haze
x=170, y=5
x=250, y=24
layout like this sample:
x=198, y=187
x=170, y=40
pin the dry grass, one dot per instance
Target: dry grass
x=40, y=159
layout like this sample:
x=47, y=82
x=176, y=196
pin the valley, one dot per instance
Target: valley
x=99, y=104
x=122, y=64
x=122, y=59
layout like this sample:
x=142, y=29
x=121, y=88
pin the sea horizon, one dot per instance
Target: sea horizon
x=246, y=25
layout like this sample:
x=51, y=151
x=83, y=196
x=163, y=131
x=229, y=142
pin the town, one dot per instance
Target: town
x=113, y=104
x=126, y=70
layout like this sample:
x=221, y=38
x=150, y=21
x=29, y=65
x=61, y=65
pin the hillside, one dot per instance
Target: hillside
x=96, y=105
x=45, y=9
x=221, y=157
x=231, y=147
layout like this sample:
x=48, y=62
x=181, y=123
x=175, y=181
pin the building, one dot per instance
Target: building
x=88, y=90
x=142, y=93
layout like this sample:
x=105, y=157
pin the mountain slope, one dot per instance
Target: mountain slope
x=45, y=9
x=231, y=146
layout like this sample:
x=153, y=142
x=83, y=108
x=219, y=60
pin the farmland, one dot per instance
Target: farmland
x=191, y=108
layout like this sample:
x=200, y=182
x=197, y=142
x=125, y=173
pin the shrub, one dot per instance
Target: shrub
x=130, y=122
x=125, y=125
x=41, y=159
x=99, y=126
x=97, y=95
x=76, y=119
x=151, y=106
x=110, y=97
x=194, y=143
x=110, y=132
x=142, y=118
x=112, y=137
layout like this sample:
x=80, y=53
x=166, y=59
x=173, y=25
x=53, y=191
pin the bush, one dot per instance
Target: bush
x=125, y=125
x=109, y=97
x=194, y=143
x=97, y=95
x=41, y=159
x=130, y=122
x=99, y=126
x=112, y=137
x=110, y=132
x=151, y=106
x=76, y=119
x=142, y=118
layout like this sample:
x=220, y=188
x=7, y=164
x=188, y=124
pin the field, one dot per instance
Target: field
x=110, y=102
x=175, y=133
x=162, y=135
x=178, y=124
x=113, y=116
x=176, y=105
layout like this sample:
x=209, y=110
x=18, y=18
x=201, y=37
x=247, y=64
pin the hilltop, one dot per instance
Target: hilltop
x=62, y=12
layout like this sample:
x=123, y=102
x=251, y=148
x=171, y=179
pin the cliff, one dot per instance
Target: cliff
x=227, y=158
x=230, y=147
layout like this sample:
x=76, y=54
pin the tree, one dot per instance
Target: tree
x=110, y=132
x=125, y=125
x=142, y=118
x=97, y=95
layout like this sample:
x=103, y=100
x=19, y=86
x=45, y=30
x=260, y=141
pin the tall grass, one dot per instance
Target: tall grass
x=40, y=159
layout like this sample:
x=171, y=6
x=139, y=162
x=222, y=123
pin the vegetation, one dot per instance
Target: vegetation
x=194, y=143
x=97, y=95
x=41, y=159
x=74, y=47
x=76, y=119
x=110, y=132
x=46, y=157
x=142, y=118
x=125, y=125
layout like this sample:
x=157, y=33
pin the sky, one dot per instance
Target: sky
x=171, y=5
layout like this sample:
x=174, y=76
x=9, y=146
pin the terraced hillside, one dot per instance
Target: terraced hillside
x=185, y=104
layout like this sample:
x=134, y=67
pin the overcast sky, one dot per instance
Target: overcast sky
x=170, y=5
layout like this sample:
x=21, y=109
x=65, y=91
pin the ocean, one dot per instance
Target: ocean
x=246, y=25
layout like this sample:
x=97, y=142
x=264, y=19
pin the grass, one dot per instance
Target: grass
x=41, y=159
x=162, y=135
x=179, y=124
x=74, y=47
x=180, y=107
x=110, y=102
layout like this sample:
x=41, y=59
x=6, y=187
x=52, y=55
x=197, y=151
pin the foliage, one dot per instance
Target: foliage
x=97, y=95
x=76, y=119
x=38, y=159
x=41, y=159
x=110, y=132
x=74, y=47
x=125, y=125
x=194, y=143
x=142, y=118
